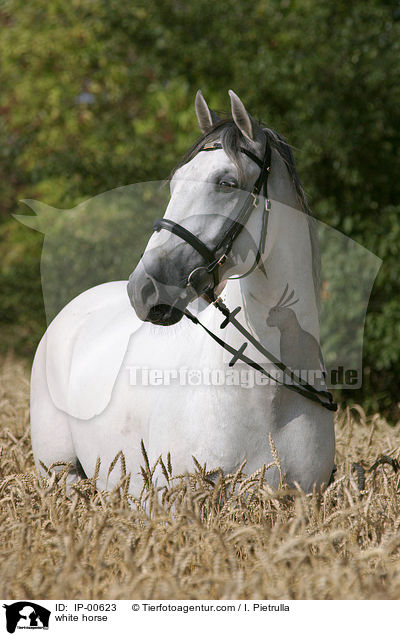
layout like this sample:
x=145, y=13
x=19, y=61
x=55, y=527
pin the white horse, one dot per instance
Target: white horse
x=86, y=402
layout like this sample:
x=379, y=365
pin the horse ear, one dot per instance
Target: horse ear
x=205, y=116
x=246, y=124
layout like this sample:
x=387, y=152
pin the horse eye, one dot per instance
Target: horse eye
x=228, y=184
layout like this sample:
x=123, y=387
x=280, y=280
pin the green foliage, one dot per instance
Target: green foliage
x=98, y=241
x=100, y=94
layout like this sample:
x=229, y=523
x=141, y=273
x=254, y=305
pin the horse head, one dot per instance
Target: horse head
x=199, y=244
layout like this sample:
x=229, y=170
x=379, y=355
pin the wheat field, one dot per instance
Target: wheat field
x=233, y=538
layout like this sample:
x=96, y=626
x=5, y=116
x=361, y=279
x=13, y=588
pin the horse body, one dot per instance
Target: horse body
x=219, y=425
x=87, y=404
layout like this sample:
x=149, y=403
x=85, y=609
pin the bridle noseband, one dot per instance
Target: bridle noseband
x=217, y=257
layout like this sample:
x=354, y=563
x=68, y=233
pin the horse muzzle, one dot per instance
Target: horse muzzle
x=156, y=302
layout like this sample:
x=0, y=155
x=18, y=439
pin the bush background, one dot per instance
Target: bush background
x=98, y=95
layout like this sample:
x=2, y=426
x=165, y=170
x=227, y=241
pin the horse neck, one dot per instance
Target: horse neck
x=288, y=260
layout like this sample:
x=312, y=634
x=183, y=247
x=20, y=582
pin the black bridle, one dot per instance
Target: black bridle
x=217, y=257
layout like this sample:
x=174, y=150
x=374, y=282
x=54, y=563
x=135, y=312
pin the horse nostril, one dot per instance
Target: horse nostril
x=148, y=290
x=164, y=315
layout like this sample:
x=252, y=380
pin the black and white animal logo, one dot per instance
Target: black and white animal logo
x=26, y=615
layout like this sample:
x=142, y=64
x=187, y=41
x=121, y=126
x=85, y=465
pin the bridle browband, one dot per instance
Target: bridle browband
x=217, y=257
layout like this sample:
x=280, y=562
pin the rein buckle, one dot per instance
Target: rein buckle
x=255, y=199
x=222, y=260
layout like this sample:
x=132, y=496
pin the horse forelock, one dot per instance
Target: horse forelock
x=231, y=139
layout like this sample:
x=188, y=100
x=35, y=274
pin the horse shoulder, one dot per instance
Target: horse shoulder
x=84, y=347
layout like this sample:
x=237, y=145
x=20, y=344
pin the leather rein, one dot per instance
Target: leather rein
x=217, y=257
